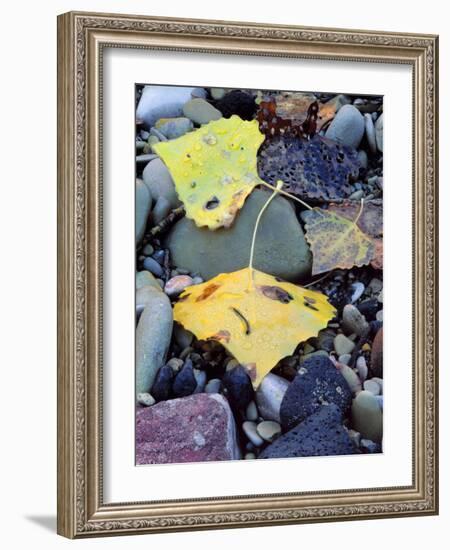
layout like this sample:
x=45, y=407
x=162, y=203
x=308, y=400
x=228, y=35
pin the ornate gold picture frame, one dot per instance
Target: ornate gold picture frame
x=82, y=38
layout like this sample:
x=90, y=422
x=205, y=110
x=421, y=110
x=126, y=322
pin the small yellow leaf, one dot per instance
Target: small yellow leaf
x=336, y=242
x=214, y=169
x=258, y=318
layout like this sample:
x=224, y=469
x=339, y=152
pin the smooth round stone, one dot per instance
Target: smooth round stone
x=249, y=456
x=269, y=396
x=164, y=102
x=379, y=398
x=379, y=316
x=379, y=133
x=358, y=290
x=218, y=93
x=213, y=386
x=370, y=132
x=148, y=250
x=372, y=386
x=197, y=280
x=361, y=367
x=185, y=381
x=145, y=278
x=252, y=411
x=343, y=345
x=200, y=111
x=161, y=210
x=177, y=284
x=281, y=249
x=345, y=359
x=157, y=178
x=143, y=199
x=175, y=364
x=268, y=430
x=379, y=381
x=375, y=285
x=200, y=377
x=182, y=336
x=153, y=266
x=173, y=128
x=367, y=417
x=347, y=127
x=252, y=434
x=153, y=335
x=351, y=377
x=363, y=159
x=357, y=195
x=145, y=399
x=353, y=321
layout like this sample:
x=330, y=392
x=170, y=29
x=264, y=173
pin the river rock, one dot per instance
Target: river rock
x=347, y=127
x=185, y=382
x=174, y=128
x=164, y=102
x=370, y=132
x=379, y=133
x=150, y=264
x=143, y=296
x=321, y=434
x=197, y=428
x=157, y=178
x=249, y=428
x=162, y=386
x=213, y=386
x=376, y=357
x=153, y=335
x=143, y=205
x=280, y=249
x=177, y=284
x=367, y=416
x=343, y=345
x=268, y=430
x=161, y=210
x=200, y=111
x=317, y=382
x=238, y=387
x=182, y=336
x=353, y=321
x=145, y=278
x=269, y=396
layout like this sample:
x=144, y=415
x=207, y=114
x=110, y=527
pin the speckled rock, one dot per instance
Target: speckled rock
x=143, y=199
x=347, y=127
x=197, y=428
x=280, y=250
x=153, y=335
x=200, y=111
x=367, y=416
x=321, y=434
x=269, y=396
x=318, y=382
x=238, y=388
x=157, y=178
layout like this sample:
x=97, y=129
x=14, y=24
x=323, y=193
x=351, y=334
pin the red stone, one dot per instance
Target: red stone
x=197, y=428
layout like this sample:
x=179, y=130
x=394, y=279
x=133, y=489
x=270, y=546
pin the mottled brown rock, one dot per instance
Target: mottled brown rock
x=376, y=359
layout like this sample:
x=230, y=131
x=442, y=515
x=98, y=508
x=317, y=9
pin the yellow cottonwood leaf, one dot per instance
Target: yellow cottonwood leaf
x=258, y=318
x=336, y=242
x=214, y=169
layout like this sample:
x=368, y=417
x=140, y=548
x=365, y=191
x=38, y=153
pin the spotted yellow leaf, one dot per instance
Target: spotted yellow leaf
x=336, y=242
x=214, y=169
x=258, y=318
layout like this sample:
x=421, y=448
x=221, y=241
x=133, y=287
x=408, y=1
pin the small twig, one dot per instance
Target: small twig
x=360, y=212
x=166, y=265
x=168, y=221
x=318, y=280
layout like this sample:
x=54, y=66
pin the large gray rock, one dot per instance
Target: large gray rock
x=367, y=416
x=143, y=205
x=153, y=335
x=379, y=132
x=347, y=127
x=164, y=102
x=200, y=111
x=157, y=178
x=280, y=250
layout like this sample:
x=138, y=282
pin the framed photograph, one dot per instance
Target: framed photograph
x=247, y=284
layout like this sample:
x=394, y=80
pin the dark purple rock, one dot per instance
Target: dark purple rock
x=197, y=428
x=321, y=434
x=162, y=386
x=238, y=387
x=185, y=382
x=317, y=383
x=369, y=308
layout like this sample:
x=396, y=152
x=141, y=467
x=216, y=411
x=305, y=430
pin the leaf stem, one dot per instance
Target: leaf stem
x=360, y=212
x=276, y=190
x=286, y=194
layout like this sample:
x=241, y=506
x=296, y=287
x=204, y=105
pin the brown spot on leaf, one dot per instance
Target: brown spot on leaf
x=276, y=293
x=210, y=289
x=221, y=336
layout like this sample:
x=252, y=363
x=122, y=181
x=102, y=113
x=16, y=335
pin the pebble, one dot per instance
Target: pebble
x=281, y=248
x=372, y=386
x=363, y=159
x=351, y=378
x=249, y=456
x=200, y=377
x=325, y=340
x=161, y=210
x=162, y=386
x=375, y=285
x=148, y=250
x=153, y=266
x=368, y=446
x=345, y=359
x=347, y=127
x=268, y=430
x=379, y=398
x=173, y=128
x=145, y=278
x=343, y=345
x=379, y=381
x=269, y=396
x=238, y=386
x=143, y=199
x=357, y=195
x=175, y=364
x=379, y=316
x=218, y=93
x=357, y=291
x=231, y=364
x=185, y=382
x=379, y=133
x=200, y=111
x=152, y=339
x=367, y=417
x=197, y=280
x=159, y=256
x=182, y=336
x=145, y=399
x=361, y=367
x=143, y=296
x=157, y=178
x=353, y=321
x=252, y=434
x=370, y=133
x=252, y=412
x=318, y=382
x=177, y=284
x=213, y=386
x=164, y=102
